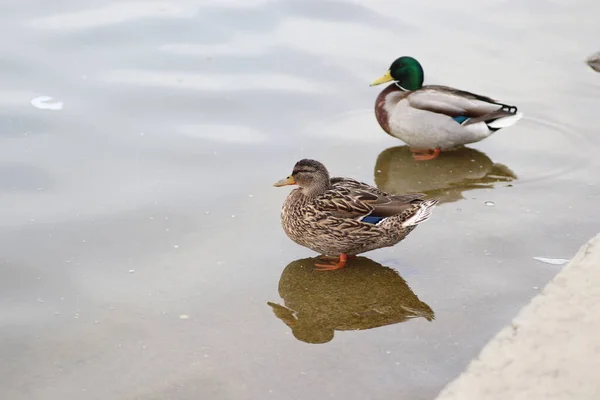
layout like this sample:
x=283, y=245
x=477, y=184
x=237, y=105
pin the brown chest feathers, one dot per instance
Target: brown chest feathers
x=380, y=113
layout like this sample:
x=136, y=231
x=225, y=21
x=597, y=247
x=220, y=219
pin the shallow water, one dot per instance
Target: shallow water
x=141, y=255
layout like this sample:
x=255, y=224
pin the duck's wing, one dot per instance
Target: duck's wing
x=457, y=103
x=358, y=201
x=357, y=186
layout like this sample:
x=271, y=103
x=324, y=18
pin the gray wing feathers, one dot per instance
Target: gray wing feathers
x=452, y=102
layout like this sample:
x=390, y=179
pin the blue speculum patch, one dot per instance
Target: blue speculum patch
x=460, y=119
x=369, y=219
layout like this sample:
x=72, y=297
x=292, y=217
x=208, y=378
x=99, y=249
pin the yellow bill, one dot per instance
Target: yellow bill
x=284, y=182
x=387, y=77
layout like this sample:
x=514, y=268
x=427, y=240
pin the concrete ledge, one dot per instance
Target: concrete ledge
x=552, y=348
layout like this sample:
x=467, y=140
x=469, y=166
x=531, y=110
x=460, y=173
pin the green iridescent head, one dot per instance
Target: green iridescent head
x=405, y=72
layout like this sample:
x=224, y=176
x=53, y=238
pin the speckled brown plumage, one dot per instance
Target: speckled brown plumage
x=328, y=220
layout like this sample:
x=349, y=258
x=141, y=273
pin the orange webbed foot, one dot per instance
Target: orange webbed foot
x=337, y=264
x=424, y=155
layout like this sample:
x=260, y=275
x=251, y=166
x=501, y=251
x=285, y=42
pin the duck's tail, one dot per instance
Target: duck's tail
x=490, y=123
x=504, y=121
x=421, y=214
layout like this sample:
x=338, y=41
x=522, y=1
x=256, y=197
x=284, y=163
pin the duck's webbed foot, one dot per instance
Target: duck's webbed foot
x=425, y=154
x=337, y=263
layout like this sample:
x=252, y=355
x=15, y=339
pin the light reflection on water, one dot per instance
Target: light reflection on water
x=175, y=112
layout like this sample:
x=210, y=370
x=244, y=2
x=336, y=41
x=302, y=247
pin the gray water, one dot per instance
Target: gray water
x=141, y=254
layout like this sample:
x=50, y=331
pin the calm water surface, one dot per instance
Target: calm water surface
x=141, y=255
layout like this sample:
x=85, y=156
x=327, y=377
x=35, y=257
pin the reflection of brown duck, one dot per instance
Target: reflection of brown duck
x=445, y=177
x=364, y=295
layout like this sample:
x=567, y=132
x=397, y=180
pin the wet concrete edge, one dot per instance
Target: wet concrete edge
x=551, y=350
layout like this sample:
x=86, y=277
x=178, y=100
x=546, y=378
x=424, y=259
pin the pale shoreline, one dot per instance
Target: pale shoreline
x=551, y=349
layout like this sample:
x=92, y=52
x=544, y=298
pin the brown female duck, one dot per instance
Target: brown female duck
x=342, y=217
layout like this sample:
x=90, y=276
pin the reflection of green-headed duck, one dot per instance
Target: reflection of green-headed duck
x=446, y=177
x=343, y=217
x=366, y=296
x=434, y=118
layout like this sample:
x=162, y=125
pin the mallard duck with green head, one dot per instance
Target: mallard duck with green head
x=435, y=118
x=342, y=217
